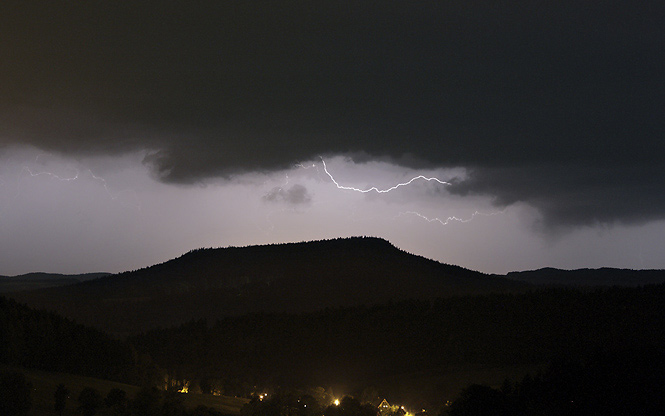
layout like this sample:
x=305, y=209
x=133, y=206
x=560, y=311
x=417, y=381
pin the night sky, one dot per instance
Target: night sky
x=132, y=132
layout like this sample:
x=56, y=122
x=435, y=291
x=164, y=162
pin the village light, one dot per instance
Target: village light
x=185, y=387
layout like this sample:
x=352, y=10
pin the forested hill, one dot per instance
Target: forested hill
x=294, y=277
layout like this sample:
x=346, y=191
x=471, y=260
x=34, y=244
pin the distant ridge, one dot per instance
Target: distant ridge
x=589, y=277
x=41, y=280
x=290, y=277
x=81, y=277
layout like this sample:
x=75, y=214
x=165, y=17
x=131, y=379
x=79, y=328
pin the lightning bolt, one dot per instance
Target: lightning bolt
x=77, y=176
x=33, y=174
x=442, y=221
x=112, y=196
x=450, y=219
x=137, y=204
x=325, y=175
x=52, y=175
x=377, y=190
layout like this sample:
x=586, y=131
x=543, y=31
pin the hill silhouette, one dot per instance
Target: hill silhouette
x=40, y=280
x=292, y=277
x=605, y=276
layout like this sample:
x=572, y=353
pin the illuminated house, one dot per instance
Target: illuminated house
x=385, y=409
x=384, y=406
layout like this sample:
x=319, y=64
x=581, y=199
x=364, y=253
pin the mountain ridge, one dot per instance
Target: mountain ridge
x=204, y=255
x=301, y=277
x=289, y=277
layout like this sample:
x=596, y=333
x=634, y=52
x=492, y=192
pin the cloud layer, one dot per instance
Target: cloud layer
x=559, y=104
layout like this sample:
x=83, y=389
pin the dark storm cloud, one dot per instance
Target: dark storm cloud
x=297, y=194
x=571, y=195
x=557, y=103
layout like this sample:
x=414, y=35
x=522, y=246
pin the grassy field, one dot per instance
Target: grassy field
x=45, y=383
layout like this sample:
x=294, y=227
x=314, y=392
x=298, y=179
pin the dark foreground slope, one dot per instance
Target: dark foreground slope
x=46, y=341
x=418, y=352
x=44, y=384
x=49, y=350
x=296, y=277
